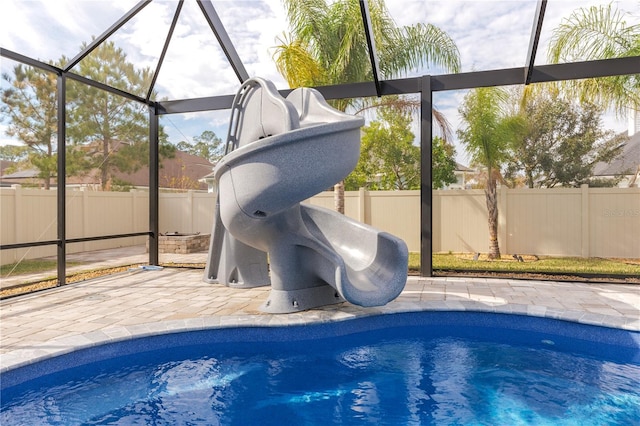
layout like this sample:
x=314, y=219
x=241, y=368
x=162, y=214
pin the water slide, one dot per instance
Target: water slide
x=279, y=153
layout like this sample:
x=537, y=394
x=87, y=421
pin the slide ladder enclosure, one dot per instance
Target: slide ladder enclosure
x=281, y=152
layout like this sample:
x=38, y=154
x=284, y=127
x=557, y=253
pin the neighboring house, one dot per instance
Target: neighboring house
x=4, y=165
x=627, y=163
x=182, y=172
x=210, y=181
x=27, y=177
x=463, y=176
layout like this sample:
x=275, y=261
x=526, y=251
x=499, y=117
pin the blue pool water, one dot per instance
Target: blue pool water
x=420, y=368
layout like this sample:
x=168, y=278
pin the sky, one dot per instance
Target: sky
x=489, y=35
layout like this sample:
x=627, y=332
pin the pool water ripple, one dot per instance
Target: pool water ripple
x=402, y=371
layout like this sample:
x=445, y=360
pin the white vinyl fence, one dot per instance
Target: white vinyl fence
x=582, y=222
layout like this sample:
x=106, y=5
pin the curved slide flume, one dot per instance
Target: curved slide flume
x=284, y=152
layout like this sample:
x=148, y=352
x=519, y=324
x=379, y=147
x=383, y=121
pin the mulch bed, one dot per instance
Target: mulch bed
x=84, y=276
x=540, y=276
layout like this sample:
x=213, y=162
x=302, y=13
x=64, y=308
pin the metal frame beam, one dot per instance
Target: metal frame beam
x=535, y=38
x=426, y=178
x=371, y=44
x=6, y=53
x=105, y=35
x=61, y=184
x=348, y=90
x=106, y=88
x=9, y=54
x=154, y=185
x=443, y=82
x=26, y=245
x=73, y=240
x=223, y=38
x=212, y=103
x=586, y=69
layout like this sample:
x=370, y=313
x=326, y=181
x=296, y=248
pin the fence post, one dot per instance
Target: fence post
x=436, y=219
x=134, y=212
x=584, y=196
x=190, y=207
x=86, y=220
x=362, y=205
x=20, y=219
x=503, y=236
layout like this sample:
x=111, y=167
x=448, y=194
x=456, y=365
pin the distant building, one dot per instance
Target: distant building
x=22, y=177
x=627, y=164
x=182, y=172
x=210, y=181
x=4, y=165
x=463, y=177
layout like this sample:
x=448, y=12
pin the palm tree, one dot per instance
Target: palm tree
x=486, y=136
x=327, y=45
x=599, y=32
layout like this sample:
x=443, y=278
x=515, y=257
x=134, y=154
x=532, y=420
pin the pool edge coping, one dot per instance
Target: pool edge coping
x=112, y=334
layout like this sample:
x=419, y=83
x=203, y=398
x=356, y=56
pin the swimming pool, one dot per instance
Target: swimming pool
x=410, y=368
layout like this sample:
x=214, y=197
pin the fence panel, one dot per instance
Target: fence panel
x=34, y=219
x=544, y=221
x=462, y=219
x=614, y=225
x=601, y=222
x=140, y=214
x=326, y=199
x=187, y=212
x=396, y=212
x=204, y=207
x=174, y=213
x=8, y=222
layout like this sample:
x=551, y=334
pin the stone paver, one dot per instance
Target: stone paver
x=141, y=302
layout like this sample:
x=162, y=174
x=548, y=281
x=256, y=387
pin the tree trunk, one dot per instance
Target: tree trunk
x=104, y=178
x=530, y=182
x=492, y=208
x=104, y=166
x=47, y=177
x=338, y=197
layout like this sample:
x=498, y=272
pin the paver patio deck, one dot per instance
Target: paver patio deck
x=143, y=302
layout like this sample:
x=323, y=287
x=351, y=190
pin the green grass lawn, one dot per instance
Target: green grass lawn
x=442, y=261
x=28, y=267
x=564, y=265
x=33, y=266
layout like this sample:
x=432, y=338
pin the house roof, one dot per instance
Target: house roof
x=182, y=171
x=5, y=164
x=626, y=162
x=183, y=167
x=461, y=168
x=209, y=176
x=19, y=177
x=21, y=174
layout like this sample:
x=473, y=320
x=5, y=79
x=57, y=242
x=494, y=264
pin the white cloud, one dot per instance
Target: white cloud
x=4, y=139
x=489, y=35
x=47, y=30
x=493, y=34
x=181, y=127
x=253, y=28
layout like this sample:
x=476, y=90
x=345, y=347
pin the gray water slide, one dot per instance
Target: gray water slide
x=279, y=153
